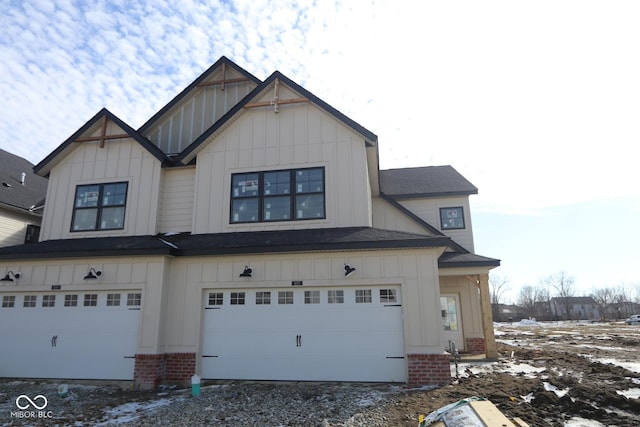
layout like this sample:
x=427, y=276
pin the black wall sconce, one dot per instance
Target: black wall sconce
x=348, y=270
x=10, y=276
x=247, y=271
x=93, y=274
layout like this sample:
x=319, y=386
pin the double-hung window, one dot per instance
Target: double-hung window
x=285, y=195
x=99, y=207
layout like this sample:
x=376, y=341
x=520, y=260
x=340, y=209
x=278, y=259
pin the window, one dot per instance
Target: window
x=285, y=297
x=90, y=300
x=451, y=218
x=363, y=295
x=99, y=207
x=237, y=298
x=8, y=301
x=263, y=298
x=33, y=233
x=30, y=300
x=312, y=297
x=113, y=300
x=134, y=300
x=71, y=300
x=335, y=297
x=286, y=195
x=215, y=298
x=48, y=300
x=388, y=295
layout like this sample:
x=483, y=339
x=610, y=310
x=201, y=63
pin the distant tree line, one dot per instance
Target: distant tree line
x=555, y=298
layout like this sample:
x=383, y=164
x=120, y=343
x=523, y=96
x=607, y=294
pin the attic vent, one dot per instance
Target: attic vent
x=6, y=184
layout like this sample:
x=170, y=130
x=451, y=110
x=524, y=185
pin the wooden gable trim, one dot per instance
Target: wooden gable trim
x=276, y=102
x=103, y=134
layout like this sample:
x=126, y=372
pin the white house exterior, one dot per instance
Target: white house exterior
x=244, y=232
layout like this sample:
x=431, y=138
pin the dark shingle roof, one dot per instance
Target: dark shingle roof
x=15, y=195
x=425, y=181
x=452, y=260
x=325, y=239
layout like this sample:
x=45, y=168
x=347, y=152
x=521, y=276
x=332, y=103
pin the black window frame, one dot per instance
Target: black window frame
x=444, y=217
x=99, y=207
x=32, y=234
x=292, y=195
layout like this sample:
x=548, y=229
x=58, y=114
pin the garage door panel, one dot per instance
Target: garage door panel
x=74, y=342
x=339, y=341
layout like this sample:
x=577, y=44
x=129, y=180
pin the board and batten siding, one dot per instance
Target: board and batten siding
x=414, y=270
x=176, y=200
x=298, y=136
x=119, y=160
x=428, y=209
x=13, y=227
x=195, y=114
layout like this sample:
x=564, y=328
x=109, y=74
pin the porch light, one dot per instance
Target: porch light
x=348, y=270
x=246, y=272
x=10, y=276
x=93, y=274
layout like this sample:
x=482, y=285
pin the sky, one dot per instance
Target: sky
x=536, y=103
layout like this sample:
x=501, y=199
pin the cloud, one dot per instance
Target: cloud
x=534, y=103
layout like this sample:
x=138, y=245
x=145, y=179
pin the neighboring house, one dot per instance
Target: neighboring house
x=508, y=313
x=575, y=308
x=22, y=196
x=244, y=232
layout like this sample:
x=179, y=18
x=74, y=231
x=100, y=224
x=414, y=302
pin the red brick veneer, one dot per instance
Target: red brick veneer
x=153, y=369
x=429, y=369
x=474, y=345
x=180, y=367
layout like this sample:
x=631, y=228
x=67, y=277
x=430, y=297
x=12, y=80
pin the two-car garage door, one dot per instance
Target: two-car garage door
x=75, y=335
x=311, y=334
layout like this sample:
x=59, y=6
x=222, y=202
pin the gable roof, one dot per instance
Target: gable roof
x=321, y=239
x=44, y=167
x=428, y=181
x=14, y=195
x=178, y=98
x=190, y=152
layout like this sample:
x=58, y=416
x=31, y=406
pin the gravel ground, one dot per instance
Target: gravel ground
x=231, y=404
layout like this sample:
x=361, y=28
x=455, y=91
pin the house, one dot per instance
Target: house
x=22, y=195
x=245, y=231
x=575, y=308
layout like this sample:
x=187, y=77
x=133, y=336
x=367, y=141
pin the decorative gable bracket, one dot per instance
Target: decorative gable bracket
x=276, y=99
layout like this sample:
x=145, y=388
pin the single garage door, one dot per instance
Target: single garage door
x=311, y=334
x=75, y=335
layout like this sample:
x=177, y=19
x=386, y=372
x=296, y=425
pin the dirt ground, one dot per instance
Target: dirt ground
x=567, y=353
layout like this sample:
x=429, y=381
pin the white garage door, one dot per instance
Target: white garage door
x=89, y=335
x=317, y=334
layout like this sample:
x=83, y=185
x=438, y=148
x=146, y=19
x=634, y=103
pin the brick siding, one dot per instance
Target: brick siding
x=429, y=369
x=474, y=345
x=153, y=369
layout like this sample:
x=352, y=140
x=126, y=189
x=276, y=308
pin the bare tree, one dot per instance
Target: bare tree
x=563, y=285
x=527, y=300
x=604, y=298
x=498, y=286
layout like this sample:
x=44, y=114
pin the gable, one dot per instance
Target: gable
x=100, y=130
x=199, y=106
x=275, y=93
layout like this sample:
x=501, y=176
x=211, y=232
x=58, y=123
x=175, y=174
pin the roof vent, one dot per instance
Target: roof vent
x=6, y=184
x=22, y=177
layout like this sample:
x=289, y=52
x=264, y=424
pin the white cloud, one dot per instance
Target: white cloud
x=536, y=101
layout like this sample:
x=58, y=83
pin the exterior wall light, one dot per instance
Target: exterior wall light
x=348, y=270
x=247, y=271
x=93, y=274
x=10, y=276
